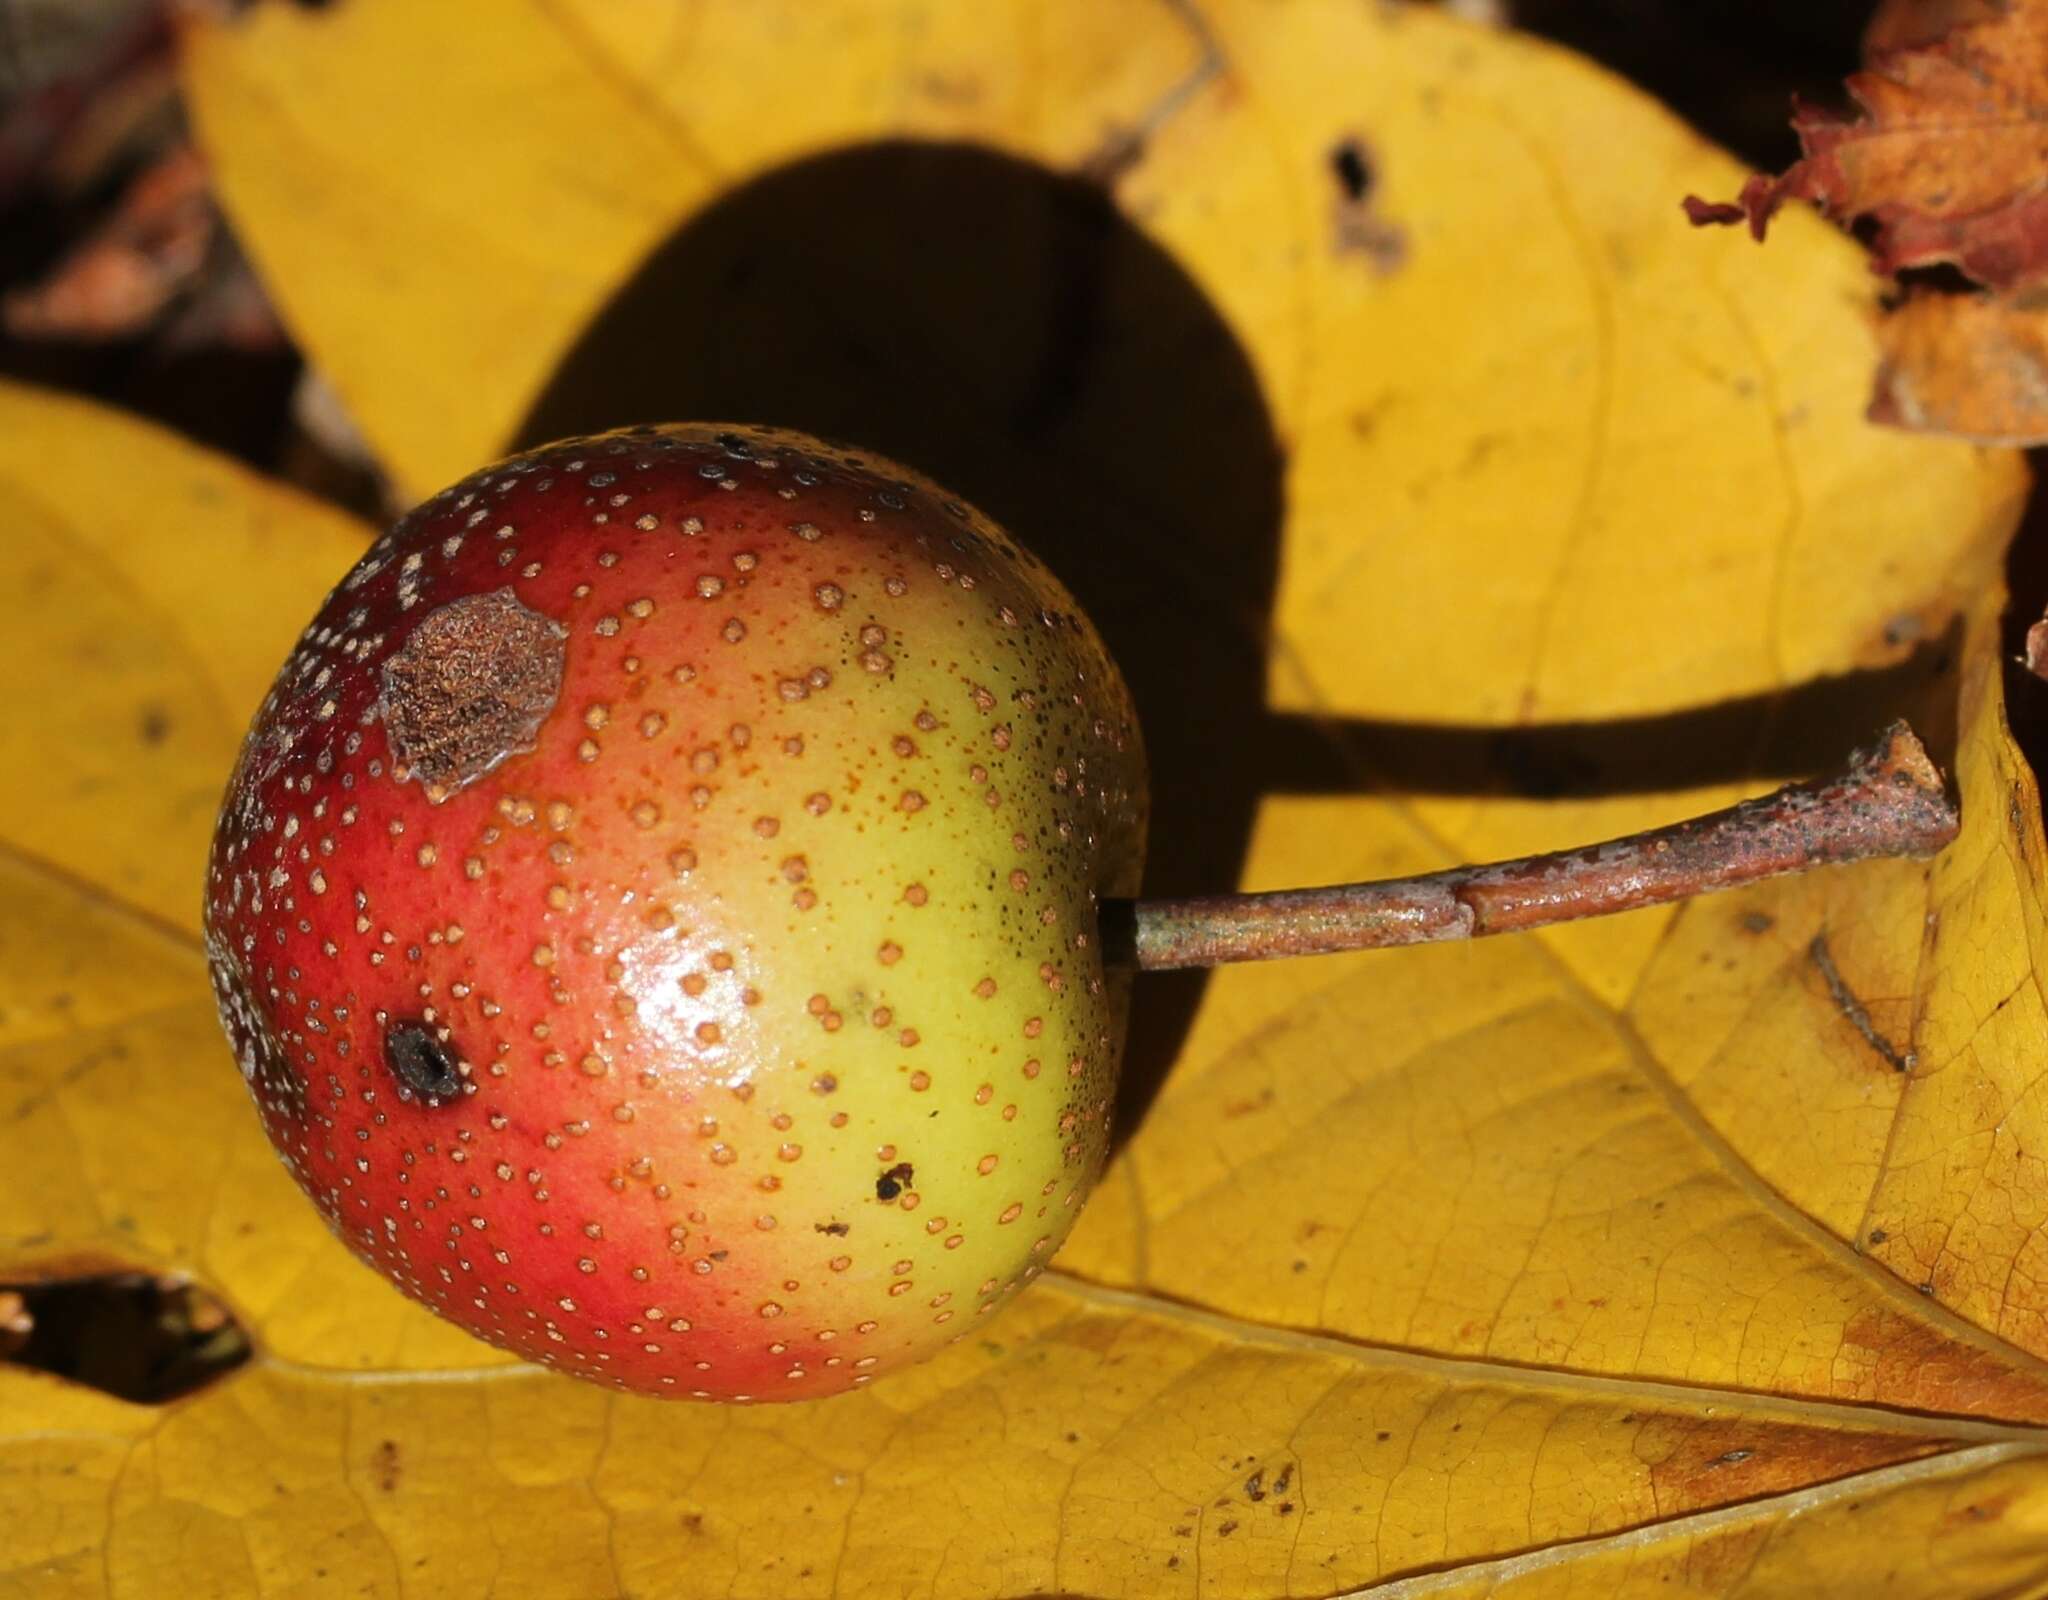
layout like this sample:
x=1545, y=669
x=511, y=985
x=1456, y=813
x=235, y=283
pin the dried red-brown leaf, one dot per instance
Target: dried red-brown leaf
x=2037, y=649
x=1908, y=24
x=1948, y=164
x=1973, y=365
x=1949, y=159
x=120, y=279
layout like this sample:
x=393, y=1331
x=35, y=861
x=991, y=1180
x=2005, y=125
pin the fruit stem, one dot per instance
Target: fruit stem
x=1889, y=801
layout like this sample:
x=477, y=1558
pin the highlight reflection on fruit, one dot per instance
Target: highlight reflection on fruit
x=676, y=907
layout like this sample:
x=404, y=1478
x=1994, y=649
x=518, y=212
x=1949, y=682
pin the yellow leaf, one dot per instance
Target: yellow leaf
x=1675, y=1190
x=1520, y=401
x=554, y=164
x=155, y=591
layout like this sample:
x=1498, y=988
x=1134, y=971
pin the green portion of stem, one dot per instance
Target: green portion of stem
x=1889, y=801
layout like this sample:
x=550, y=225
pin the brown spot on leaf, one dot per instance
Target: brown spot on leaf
x=1973, y=1513
x=471, y=687
x=1917, y=1366
x=1696, y=1464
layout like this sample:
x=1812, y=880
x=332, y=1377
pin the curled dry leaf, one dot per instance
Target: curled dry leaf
x=1975, y=366
x=118, y=281
x=1905, y=24
x=1949, y=158
x=1948, y=163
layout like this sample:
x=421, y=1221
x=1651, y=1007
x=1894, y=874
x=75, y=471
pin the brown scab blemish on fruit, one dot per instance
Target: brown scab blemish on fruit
x=893, y=1181
x=420, y=1061
x=470, y=688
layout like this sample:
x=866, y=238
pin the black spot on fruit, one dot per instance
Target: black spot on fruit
x=421, y=1062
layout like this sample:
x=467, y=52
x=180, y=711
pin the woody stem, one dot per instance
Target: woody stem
x=1888, y=801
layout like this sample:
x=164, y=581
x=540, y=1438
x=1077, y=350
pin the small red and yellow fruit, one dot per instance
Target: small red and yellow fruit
x=655, y=910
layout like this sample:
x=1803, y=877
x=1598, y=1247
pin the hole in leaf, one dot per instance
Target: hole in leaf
x=1356, y=228
x=132, y=1335
x=1354, y=172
